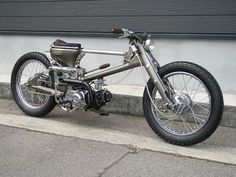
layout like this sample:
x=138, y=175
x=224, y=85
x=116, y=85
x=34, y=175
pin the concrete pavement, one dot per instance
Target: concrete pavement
x=27, y=153
x=86, y=144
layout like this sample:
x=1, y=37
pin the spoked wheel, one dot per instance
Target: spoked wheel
x=197, y=104
x=31, y=101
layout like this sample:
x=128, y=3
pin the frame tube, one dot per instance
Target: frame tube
x=147, y=63
x=132, y=64
x=105, y=52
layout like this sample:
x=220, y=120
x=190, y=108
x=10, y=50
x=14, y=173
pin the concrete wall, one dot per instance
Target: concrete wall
x=216, y=55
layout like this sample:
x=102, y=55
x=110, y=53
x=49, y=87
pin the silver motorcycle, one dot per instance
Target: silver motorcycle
x=182, y=102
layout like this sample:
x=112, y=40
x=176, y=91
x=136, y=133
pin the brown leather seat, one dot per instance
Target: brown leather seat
x=65, y=53
x=60, y=43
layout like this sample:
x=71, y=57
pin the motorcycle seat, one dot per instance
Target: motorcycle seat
x=62, y=44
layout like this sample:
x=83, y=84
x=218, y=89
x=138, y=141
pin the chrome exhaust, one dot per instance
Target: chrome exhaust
x=51, y=92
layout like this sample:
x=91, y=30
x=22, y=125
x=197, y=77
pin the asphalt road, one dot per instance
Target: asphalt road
x=26, y=153
x=86, y=144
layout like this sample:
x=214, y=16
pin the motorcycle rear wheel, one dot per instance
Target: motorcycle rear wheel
x=30, y=101
x=199, y=109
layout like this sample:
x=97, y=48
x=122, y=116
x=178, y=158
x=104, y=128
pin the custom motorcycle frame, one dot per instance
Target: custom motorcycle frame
x=139, y=54
x=132, y=59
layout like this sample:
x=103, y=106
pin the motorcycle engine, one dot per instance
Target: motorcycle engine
x=78, y=98
x=102, y=97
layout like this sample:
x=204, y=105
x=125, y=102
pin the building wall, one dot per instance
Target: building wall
x=216, y=55
x=201, y=17
x=201, y=31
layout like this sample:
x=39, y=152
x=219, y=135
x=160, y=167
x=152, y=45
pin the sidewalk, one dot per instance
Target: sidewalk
x=128, y=90
x=128, y=100
x=86, y=144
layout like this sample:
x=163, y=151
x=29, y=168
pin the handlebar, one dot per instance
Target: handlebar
x=126, y=33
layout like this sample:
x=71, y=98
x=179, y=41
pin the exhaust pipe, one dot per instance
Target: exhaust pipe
x=49, y=91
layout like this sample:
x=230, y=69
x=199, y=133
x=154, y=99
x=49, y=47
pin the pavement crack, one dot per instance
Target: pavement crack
x=132, y=150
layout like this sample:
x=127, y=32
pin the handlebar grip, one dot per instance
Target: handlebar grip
x=117, y=30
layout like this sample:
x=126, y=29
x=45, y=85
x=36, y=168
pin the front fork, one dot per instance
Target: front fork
x=152, y=72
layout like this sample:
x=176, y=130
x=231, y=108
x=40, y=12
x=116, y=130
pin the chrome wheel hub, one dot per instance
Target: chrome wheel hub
x=184, y=103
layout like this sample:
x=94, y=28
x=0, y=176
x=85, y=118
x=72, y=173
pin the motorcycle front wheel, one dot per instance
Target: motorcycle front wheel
x=197, y=104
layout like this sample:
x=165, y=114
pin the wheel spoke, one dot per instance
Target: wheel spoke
x=184, y=120
x=201, y=106
x=167, y=120
x=185, y=124
x=203, y=98
x=28, y=96
x=185, y=84
x=196, y=90
x=28, y=69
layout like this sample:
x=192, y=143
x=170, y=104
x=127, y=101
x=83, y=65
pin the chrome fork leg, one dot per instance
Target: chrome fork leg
x=156, y=79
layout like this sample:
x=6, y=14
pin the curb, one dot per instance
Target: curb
x=132, y=105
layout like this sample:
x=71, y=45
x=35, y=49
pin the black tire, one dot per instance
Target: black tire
x=50, y=104
x=217, y=104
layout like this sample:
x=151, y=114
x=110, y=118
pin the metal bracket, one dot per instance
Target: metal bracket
x=79, y=58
